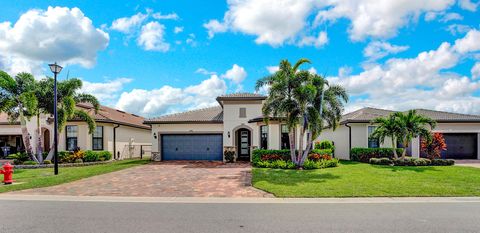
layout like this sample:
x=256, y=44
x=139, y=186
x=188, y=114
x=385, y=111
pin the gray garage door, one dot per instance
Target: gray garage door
x=460, y=146
x=192, y=147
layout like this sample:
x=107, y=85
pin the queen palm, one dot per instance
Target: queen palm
x=17, y=99
x=68, y=97
x=387, y=127
x=413, y=125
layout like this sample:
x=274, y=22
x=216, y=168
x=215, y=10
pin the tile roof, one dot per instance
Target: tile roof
x=204, y=115
x=242, y=95
x=368, y=114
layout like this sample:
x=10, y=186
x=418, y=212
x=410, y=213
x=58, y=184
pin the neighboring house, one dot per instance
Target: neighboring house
x=121, y=133
x=461, y=133
x=236, y=124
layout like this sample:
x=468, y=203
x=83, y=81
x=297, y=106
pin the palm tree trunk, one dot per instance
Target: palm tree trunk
x=39, y=140
x=300, y=146
x=291, y=139
x=404, y=152
x=308, y=148
x=26, y=137
x=394, y=147
x=50, y=152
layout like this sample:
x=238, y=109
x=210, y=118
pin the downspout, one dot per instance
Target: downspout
x=349, y=141
x=115, y=141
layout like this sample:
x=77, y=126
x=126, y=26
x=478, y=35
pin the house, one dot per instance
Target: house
x=461, y=133
x=235, y=124
x=119, y=132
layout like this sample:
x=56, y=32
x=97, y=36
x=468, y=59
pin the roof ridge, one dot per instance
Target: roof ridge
x=462, y=114
x=186, y=112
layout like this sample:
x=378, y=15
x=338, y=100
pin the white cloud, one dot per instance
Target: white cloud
x=214, y=26
x=272, y=69
x=204, y=71
x=456, y=29
x=379, y=49
x=128, y=24
x=469, y=43
x=152, y=37
x=57, y=34
x=451, y=16
x=106, y=91
x=177, y=30
x=159, y=16
x=476, y=70
x=237, y=74
x=191, y=40
x=317, y=42
x=420, y=82
x=442, y=16
x=468, y=5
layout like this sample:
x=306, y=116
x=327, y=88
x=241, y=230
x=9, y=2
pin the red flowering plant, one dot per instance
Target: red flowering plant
x=433, y=146
x=318, y=157
x=271, y=157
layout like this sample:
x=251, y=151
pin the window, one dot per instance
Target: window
x=243, y=113
x=285, y=142
x=372, y=142
x=72, y=135
x=97, y=138
x=264, y=136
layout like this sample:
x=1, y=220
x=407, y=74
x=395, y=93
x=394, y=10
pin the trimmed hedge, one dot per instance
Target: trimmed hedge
x=311, y=164
x=365, y=154
x=281, y=159
x=324, y=145
x=269, y=155
x=409, y=161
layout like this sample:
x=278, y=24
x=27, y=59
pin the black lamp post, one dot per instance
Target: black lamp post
x=55, y=70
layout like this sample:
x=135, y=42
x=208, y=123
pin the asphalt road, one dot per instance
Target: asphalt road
x=79, y=216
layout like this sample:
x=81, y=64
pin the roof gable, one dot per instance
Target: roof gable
x=204, y=115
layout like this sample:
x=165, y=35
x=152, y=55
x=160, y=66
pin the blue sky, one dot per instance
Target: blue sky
x=158, y=57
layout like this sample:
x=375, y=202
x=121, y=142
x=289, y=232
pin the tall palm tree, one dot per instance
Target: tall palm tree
x=17, y=99
x=68, y=97
x=387, y=127
x=413, y=125
x=281, y=101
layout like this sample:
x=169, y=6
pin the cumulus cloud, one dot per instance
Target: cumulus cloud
x=57, y=34
x=468, y=5
x=287, y=21
x=423, y=81
x=177, y=30
x=160, y=16
x=107, y=91
x=237, y=74
x=152, y=37
x=379, y=49
x=272, y=69
x=442, y=16
x=476, y=70
x=469, y=43
x=128, y=24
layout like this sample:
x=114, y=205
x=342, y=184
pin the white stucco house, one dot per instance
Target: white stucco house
x=461, y=133
x=237, y=124
x=121, y=133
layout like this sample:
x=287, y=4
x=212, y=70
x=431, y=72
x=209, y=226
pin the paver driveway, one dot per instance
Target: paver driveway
x=164, y=179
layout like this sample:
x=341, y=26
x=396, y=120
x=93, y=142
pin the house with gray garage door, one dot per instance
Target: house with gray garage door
x=460, y=131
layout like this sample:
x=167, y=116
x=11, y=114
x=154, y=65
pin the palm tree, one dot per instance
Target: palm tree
x=68, y=97
x=387, y=127
x=281, y=101
x=413, y=125
x=17, y=99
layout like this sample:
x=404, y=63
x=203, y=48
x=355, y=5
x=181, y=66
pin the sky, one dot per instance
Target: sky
x=155, y=57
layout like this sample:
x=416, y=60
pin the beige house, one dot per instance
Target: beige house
x=461, y=133
x=235, y=124
x=119, y=132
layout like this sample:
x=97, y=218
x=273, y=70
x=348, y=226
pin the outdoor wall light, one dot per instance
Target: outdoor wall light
x=155, y=135
x=228, y=134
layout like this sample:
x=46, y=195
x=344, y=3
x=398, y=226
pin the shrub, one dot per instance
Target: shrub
x=317, y=156
x=47, y=162
x=323, y=151
x=19, y=158
x=411, y=162
x=229, y=156
x=277, y=164
x=78, y=161
x=71, y=157
x=30, y=163
x=257, y=154
x=442, y=162
x=271, y=157
x=433, y=146
x=381, y=161
x=324, y=145
x=44, y=155
x=311, y=164
x=90, y=156
x=106, y=155
x=365, y=154
x=63, y=156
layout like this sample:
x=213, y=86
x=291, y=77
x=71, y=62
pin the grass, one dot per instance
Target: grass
x=352, y=179
x=37, y=178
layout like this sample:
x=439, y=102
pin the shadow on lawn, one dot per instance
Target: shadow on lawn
x=407, y=168
x=294, y=177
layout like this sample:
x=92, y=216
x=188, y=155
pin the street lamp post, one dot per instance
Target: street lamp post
x=55, y=70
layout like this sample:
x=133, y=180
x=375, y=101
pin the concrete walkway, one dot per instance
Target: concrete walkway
x=164, y=179
x=468, y=163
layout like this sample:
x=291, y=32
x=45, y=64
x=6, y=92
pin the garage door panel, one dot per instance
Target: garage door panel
x=192, y=147
x=460, y=146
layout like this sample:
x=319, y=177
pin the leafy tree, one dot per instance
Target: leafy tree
x=387, y=127
x=413, y=125
x=433, y=146
x=17, y=99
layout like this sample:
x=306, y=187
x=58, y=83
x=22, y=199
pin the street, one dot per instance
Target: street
x=94, y=216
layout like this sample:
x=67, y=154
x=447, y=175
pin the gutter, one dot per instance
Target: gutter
x=349, y=140
x=115, y=141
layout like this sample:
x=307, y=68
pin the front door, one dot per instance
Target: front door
x=243, y=144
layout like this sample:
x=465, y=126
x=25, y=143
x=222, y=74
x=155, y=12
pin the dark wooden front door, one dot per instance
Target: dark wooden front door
x=243, y=144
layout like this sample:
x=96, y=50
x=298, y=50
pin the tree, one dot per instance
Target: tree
x=303, y=100
x=68, y=97
x=387, y=127
x=17, y=99
x=413, y=125
x=433, y=146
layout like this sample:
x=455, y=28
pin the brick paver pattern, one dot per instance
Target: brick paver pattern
x=164, y=179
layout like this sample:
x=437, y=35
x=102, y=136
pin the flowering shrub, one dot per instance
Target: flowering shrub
x=317, y=156
x=433, y=146
x=270, y=157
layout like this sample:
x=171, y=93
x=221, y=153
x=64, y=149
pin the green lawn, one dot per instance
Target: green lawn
x=353, y=179
x=36, y=178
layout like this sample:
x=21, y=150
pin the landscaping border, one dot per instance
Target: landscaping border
x=61, y=165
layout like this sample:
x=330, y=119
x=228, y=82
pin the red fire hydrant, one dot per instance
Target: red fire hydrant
x=7, y=173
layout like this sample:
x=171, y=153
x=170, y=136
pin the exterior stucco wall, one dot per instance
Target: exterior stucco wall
x=232, y=120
